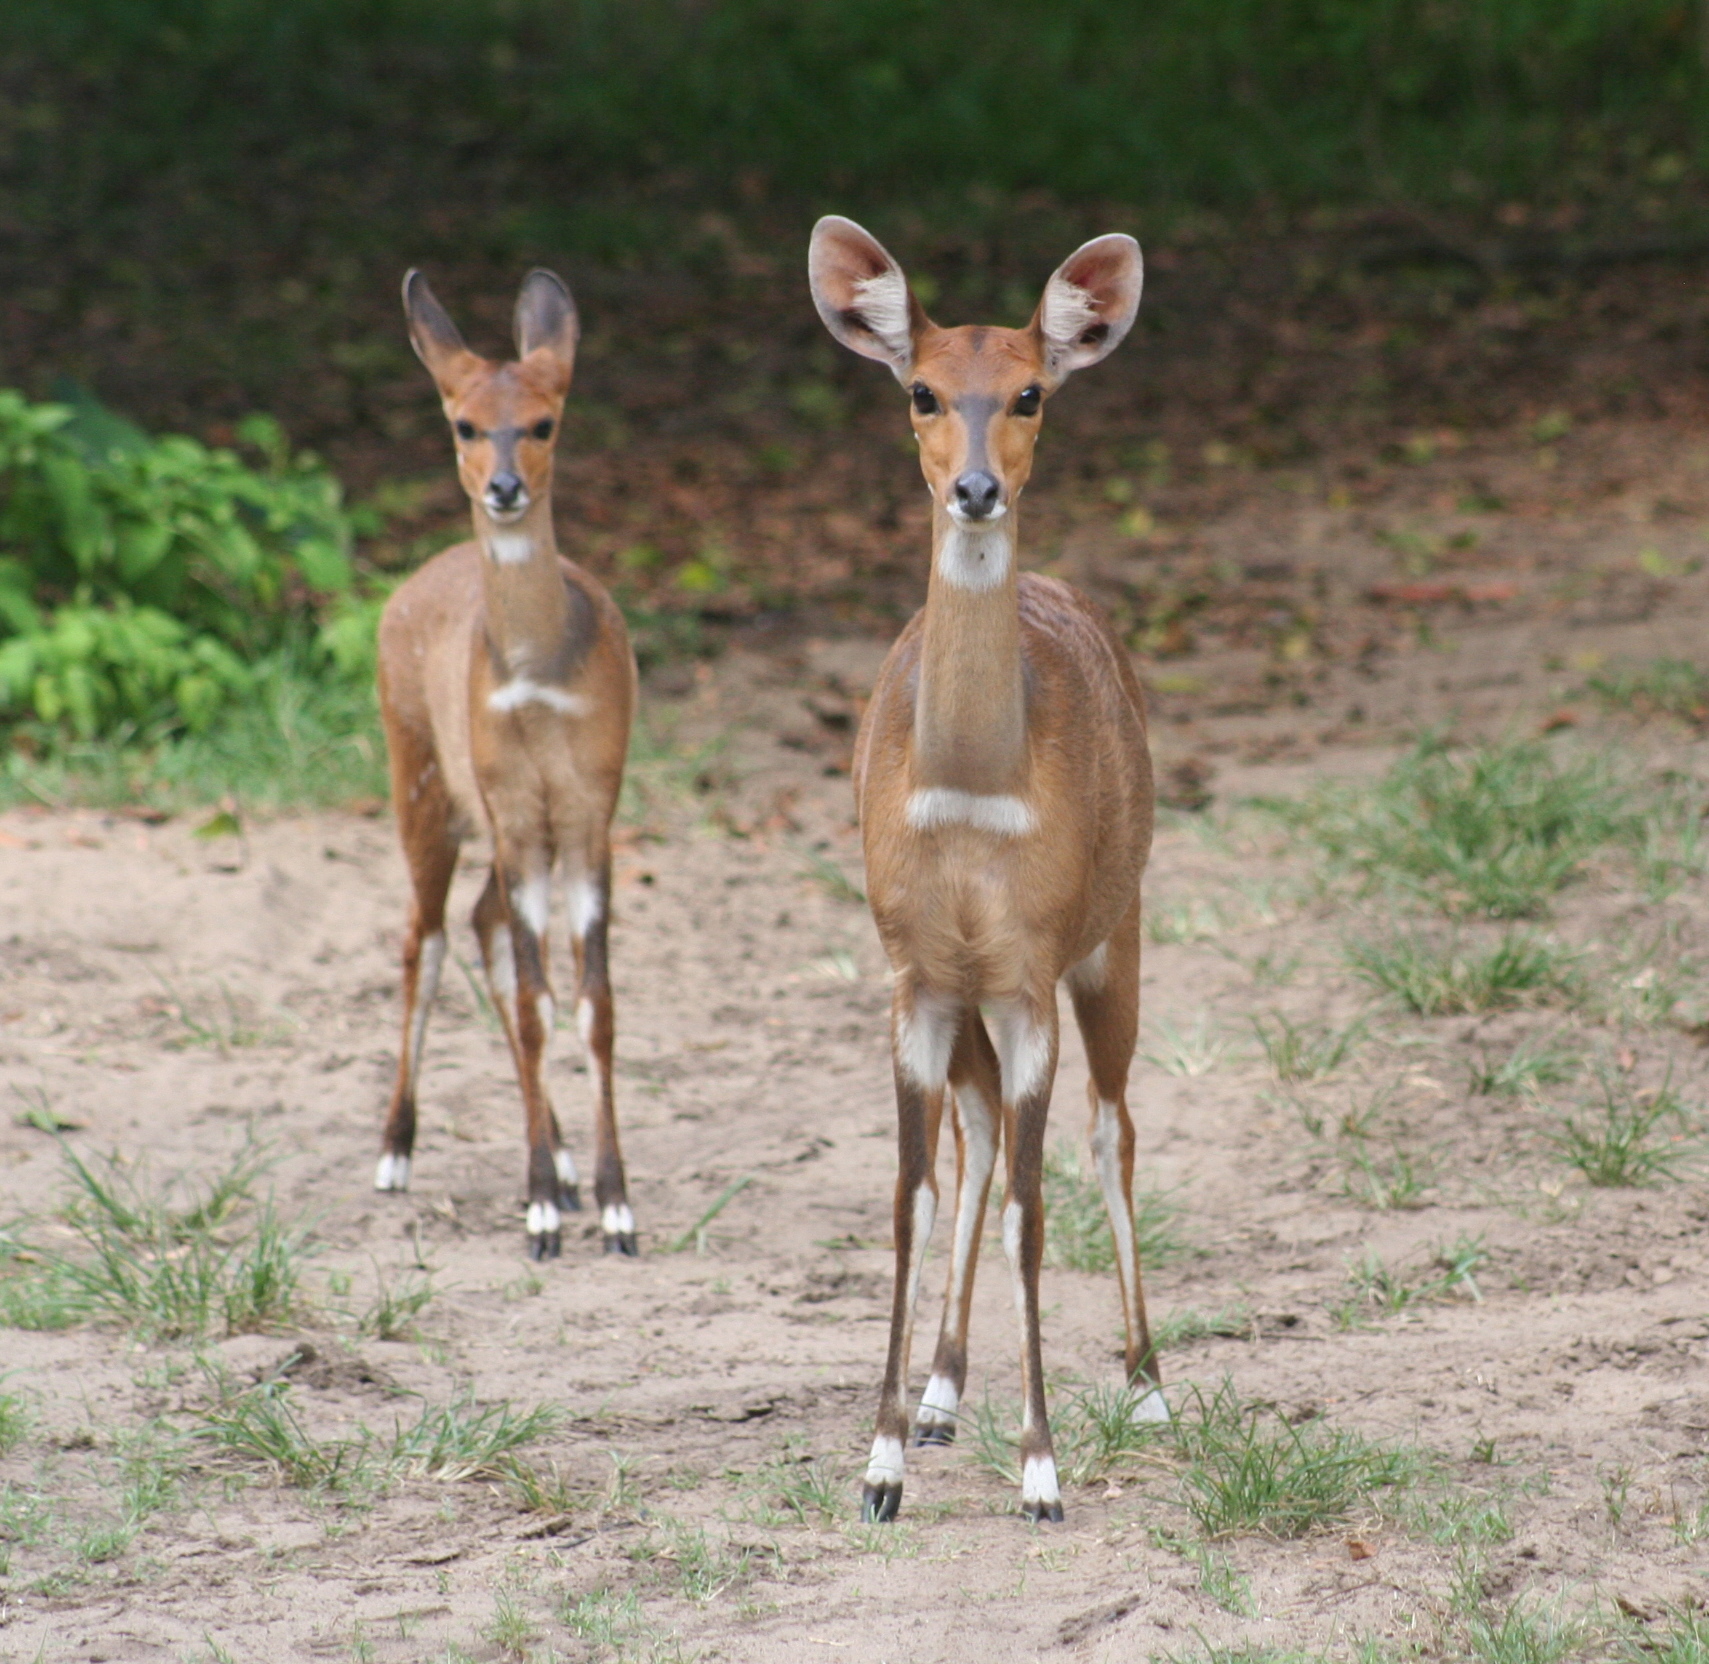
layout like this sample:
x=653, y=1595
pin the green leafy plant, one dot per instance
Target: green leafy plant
x=141, y=578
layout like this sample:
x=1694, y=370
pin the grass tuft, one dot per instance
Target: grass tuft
x=1077, y=1231
x=1436, y=980
x=1493, y=832
x=1385, y=1291
x=1664, y=687
x=1247, y=1469
x=1529, y=1065
x=1621, y=1139
x=1306, y=1051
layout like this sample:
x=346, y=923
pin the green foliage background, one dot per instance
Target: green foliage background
x=1202, y=100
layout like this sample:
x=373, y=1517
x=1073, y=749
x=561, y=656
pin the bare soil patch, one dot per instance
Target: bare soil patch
x=168, y=999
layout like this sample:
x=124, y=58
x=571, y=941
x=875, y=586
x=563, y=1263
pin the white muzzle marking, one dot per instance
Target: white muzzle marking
x=392, y=1172
x=1006, y=816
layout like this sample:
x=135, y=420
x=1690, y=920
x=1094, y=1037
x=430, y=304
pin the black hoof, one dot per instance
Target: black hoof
x=880, y=1503
x=570, y=1198
x=936, y=1432
x=1043, y=1513
x=623, y=1243
x=545, y=1245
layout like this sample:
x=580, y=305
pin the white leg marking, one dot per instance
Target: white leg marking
x=939, y=1404
x=532, y=901
x=392, y=1173
x=925, y=1217
x=1106, y=1153
x=977, y=555
x=1154, y=1407
x=615, y=1219
x=1038, y=1481
x=566, y=1166
x=542, y=1218
x=1091, y=973
x=584, y=1021
x=979, y=1155
x=884, y=1466
x=427, y=985
x=502, y=970
x=924, y=1039
x=1008, y=817
x=1023, y=1052
x=548, y=1013
x=586, y=905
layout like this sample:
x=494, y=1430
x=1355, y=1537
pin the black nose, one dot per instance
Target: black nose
x=976, y=494
x=504, y=489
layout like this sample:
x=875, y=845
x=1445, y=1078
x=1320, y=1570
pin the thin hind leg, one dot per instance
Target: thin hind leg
x=978, y=1099
x=1105, y=991
x=430, y=849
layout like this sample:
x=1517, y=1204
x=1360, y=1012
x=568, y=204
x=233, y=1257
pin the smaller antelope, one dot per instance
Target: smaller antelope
x=1005, y=798
x=506, y=689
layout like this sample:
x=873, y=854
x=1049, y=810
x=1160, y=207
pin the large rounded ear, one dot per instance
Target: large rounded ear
x=862, y=295
x=546, y=320
x=436, y=340
x=1089, y=303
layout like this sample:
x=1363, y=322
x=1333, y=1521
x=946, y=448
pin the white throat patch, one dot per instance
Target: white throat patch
x=976, y=557
x=510, y=548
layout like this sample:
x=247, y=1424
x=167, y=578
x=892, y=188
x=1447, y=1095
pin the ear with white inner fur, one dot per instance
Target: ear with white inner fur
x=437, y=341
x=1089, y=303
x=862, y=295
x=546, y=321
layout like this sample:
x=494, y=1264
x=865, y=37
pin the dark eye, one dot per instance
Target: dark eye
x=1027, y=404
x=543, y=428
x=925, y=400
x=464, y=430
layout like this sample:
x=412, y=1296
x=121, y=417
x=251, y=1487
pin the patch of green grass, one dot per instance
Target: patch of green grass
x=1097, y=1433
x=1077, y=1225
x=537, y=1491
x=1622, y=1137
x=1683, y=1640
x=453, y=1441
x=1456, y=1516
x=1435, y=979
x=797, y=1488
x=1190, y=1051
x=1306, y=1051
x=1177, y=922
x=304, y=737
x=510, y=1628
x=396, y=1305
x=602, y=1617
x=705, y=1566
x=1663, y=687
x=1381, y=1290
x=1248, y=1470
x=1189, y=1324
x=176, y=1260
x=1496, y=831
x=1529, y=1065
x=1527, y=1632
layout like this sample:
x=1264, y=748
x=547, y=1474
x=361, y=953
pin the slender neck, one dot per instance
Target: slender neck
x=970, y=729
x=527, y=605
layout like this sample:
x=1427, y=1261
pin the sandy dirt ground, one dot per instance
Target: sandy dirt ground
x=170, y=998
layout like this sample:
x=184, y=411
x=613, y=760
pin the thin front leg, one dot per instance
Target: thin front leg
x=974, y=1079
x=590, y=911
x=511, y=920
x=922, y=1034
x=1026, y=1051
x=1105, y=991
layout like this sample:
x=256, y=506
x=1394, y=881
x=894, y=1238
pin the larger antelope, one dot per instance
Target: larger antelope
x=506, y=688
x=1005, y=798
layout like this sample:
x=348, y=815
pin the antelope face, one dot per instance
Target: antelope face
x=975, y=401
x=976, y=393
x=504, y=417
x=504, y=425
